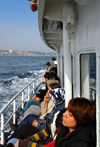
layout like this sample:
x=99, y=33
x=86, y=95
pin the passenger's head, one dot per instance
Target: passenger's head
x=48, y=64
x=46, y=76
x=52, y=76
x=54, y=69
x=50, y=88
x=55, y=64
x=53, y=59
x=54, y=85
x=80, y=112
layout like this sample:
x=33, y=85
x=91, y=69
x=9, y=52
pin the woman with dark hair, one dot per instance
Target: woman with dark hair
x=78, y=127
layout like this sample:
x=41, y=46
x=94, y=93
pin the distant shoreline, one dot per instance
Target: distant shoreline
x=25, y=53
x=28, y=55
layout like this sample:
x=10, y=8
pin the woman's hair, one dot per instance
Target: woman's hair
x=48, y=63
x=59, y=118
x=54, y=58
x=54, y=85
x=83, y=111
x=53, y=69
x=58, y=121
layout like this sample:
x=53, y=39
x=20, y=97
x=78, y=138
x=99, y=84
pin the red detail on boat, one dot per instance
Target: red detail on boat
x=33, y=7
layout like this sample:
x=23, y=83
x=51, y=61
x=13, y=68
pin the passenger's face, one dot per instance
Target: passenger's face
x=69, y=121
x=49, y=88
x=53, y=61
x=46, y=79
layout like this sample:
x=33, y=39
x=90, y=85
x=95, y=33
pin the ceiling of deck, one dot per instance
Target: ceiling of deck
x=52, y=10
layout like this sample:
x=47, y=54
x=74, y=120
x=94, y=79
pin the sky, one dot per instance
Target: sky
x=19, y=27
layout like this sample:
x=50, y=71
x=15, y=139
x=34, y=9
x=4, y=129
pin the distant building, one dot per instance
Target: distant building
x=10, y=51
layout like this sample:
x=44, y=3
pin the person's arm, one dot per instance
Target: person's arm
x=44, y=104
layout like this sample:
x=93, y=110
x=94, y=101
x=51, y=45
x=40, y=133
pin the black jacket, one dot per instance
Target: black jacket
x=80, y=137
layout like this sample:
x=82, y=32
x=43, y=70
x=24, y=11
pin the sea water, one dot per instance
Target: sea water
x=16, y=72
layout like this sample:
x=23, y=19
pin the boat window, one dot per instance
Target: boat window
x=88, y=76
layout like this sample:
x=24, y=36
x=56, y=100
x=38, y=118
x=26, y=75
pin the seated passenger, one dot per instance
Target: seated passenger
x=37, y=97
x=54, y=69
x=78, y=130
x=55, y=98
x=57, y=125
x=33, y=109
x=52, y=74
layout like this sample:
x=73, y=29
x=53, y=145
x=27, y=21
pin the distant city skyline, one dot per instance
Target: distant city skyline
x=25, y=53
x=19, y=27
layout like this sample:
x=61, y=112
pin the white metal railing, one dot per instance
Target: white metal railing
x=93, y=90
x=38, y=80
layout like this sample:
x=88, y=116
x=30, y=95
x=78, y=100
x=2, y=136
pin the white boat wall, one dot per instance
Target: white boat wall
x=72, y=28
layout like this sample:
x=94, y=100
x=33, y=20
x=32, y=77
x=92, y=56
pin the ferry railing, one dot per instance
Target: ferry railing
x=38, y=80
x=93, y=91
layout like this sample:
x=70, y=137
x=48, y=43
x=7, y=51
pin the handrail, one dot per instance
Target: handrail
x=14, y=105
x=93, y=90
x=18, y=94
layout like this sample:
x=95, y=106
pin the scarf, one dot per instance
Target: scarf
x=57, y=95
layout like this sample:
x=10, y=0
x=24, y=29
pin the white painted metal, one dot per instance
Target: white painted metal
x=58, y=62
x=37, y=82
x=33, y=87
x=67, y=9
x=98, y=99
x=41, y=79
x=28, y=92
x=22, y=99
x=85, y=75
x=93, y=95
x=62, y=71
x=86, y=36
x=14, y=111
x=2, y=128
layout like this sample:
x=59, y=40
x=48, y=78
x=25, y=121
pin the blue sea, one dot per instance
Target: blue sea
x=17, y=71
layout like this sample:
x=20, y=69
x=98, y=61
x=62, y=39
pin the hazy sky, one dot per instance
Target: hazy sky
x=19, y=27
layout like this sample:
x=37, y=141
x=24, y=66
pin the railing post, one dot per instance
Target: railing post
x=2, y=128
x=33, y=87
x=37, y=82
x=41, y=79
x=14, y=111
x=22, y=99
x=28, y=92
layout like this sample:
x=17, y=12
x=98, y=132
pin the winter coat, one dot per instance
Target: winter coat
x=80, y=137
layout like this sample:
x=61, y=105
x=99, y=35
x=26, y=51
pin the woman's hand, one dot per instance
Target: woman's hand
x=35, y=123
x=47, y=97
x=37, y=99
x=16, y=144
x=34, y=97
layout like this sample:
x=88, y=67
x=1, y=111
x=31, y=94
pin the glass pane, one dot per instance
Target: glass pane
x=88, y=76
